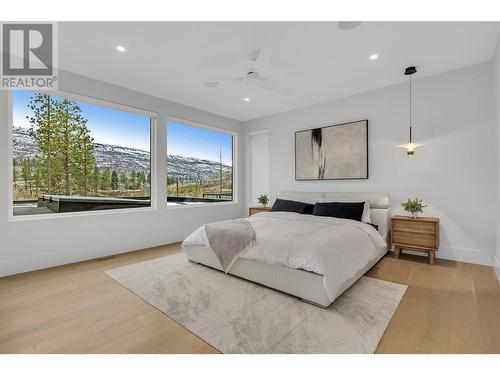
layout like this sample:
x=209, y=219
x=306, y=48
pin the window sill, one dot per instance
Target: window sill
x=65, y=215
x=176, y=206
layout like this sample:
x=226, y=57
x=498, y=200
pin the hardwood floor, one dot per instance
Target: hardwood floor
x=449, y=307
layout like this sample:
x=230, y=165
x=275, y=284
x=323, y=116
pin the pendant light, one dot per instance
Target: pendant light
x=410, y=146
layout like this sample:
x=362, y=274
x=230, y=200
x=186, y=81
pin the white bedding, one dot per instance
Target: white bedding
x=334, y=248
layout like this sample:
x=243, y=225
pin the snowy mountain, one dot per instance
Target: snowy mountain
x=193, y=169
x=124, y=159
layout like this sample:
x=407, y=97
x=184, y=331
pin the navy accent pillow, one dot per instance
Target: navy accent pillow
x=292, y=206
x=341, y=210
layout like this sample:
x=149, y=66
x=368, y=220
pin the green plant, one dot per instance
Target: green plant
x=263, y=199
x=413, y=205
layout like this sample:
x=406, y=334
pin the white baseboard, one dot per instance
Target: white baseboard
x=496, y=266
x=465, y=255
x=48, y=259
x=460, y=255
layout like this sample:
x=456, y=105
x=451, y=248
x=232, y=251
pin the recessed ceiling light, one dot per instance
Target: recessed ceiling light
x=120, y=49
x=247, y=99
x=374, y=57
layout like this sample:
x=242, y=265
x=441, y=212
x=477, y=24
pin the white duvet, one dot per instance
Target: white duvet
x=335, y=248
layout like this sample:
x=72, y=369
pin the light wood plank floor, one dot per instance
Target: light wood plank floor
x=450, y=307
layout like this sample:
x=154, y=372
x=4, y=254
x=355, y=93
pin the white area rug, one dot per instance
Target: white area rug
x=238, y=316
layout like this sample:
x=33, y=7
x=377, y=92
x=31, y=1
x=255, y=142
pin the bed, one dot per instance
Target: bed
x=358, y=247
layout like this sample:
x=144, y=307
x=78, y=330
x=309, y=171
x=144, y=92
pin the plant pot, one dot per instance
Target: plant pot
x=263, y=205
x=414, y=214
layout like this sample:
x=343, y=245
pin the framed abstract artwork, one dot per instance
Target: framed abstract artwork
x=336, y=152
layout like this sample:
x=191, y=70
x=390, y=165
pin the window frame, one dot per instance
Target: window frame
x=234, y=135
x=153, y=126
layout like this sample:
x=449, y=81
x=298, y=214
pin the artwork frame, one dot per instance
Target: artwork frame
x=356, y=159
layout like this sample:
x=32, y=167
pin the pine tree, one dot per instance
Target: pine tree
x=26, y=172
x=65, y=141
x=36, y=174
x=96, y=180
x=148, y=184
x=123, y=180
x=67, y=162
x=141, y=179
x=133, y=179
x=114, y=180
x=84, y=164
x=106, y=180
x=15, y=173
x=43, y=129
x=75, y=148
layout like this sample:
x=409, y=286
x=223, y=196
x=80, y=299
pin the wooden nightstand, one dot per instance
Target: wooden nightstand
x=256, y=210
x=420, y=234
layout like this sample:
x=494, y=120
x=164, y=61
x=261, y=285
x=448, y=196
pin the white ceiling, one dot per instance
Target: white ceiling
x=316, y=60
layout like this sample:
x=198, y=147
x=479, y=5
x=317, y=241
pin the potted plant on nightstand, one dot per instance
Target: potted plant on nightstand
x=413, y=206
x=263, y=200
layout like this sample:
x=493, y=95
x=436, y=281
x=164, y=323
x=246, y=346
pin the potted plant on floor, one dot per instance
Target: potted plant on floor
x=263, y=200
x=413, y=206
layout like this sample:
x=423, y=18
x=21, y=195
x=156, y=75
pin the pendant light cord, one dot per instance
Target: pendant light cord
x=410, y=109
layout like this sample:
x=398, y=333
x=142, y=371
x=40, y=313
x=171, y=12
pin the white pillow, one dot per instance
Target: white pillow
x=365, y=218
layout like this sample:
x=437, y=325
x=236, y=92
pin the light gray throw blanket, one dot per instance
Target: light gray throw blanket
x=229, y=239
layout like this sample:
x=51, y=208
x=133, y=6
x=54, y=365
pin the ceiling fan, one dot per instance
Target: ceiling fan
x=257, y=75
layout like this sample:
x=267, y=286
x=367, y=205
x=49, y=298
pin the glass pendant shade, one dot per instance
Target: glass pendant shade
x=410, y=148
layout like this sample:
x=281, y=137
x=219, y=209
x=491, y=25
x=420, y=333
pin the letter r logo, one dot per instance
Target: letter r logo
x=27, y=49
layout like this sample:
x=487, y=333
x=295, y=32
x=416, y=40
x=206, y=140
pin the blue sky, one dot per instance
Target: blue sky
x=106, y=125
x=197, y=142
x=127, y=129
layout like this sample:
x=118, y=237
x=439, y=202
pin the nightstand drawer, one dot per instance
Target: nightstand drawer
x=420, y=234
x=414, y=239
x=415, y=226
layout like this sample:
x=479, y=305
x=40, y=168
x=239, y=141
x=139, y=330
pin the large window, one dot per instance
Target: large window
x=199, y=164
x=74, y=156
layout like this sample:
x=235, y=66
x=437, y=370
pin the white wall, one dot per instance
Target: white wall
x=453, y=113
x=453, y=174
x=496, y=84
x=258, y=163
x=33, y=244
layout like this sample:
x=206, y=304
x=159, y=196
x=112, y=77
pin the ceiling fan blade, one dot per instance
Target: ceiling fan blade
x=261, y=63
x=269, y=84
x=216, y=82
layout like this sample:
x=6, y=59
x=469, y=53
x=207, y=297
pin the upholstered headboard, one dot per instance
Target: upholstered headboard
x=380, y=211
